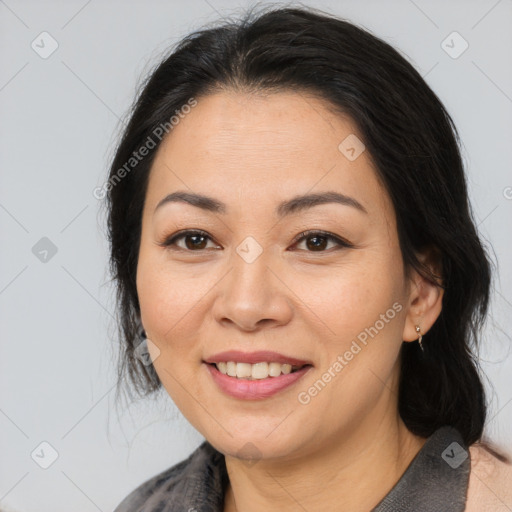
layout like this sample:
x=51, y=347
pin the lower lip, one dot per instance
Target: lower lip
x=254, y=389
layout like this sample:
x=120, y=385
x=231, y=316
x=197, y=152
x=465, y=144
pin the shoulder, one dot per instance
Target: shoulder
x=153, y=487
x=169, y=485
x=490, y=482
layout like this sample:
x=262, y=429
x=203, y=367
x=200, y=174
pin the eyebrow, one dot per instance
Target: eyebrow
x=289, y=207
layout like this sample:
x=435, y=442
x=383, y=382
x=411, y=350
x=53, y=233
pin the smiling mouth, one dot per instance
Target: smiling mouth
x=257, y=371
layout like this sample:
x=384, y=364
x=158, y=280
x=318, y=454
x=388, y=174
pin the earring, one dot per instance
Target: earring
x=141, y=333
x=420, y=337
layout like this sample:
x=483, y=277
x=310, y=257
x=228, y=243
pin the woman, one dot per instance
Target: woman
x=297, y=265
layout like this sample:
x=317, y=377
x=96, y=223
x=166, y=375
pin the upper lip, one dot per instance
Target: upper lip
x=255, y=357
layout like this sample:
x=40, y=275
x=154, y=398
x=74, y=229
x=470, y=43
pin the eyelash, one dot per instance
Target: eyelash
x=171, y=241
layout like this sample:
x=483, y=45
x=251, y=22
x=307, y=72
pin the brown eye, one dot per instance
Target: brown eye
x=317, y=241
x=193, y=241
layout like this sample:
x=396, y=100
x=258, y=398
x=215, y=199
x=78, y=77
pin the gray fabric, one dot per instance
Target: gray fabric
x=435, y=481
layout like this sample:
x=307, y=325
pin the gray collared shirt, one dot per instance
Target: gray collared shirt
x=435, y=481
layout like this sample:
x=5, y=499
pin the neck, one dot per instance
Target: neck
x=357, y=470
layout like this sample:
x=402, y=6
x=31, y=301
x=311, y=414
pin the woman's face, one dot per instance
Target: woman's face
x=254, y=284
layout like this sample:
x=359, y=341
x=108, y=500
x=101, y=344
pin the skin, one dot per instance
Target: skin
x=348, y=444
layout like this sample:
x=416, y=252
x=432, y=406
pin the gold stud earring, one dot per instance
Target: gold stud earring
x=420, y=337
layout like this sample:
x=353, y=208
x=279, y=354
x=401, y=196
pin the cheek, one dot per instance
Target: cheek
x=171, y=300
x=357, y=347
x=159, y=299
x=350, y=297
x=361, y=311
x=169, y=306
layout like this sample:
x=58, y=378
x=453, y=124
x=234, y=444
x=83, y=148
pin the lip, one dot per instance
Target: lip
x=254, y=389
x=260, y=356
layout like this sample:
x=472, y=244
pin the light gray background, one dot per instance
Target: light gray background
x=59, y=122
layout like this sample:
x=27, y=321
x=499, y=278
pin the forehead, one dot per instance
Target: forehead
x=235, y=145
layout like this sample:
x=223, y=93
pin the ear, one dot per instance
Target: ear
x=425, y=297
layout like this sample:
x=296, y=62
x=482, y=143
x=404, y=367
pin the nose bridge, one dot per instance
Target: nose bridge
x=251, y=293
x=250, y=279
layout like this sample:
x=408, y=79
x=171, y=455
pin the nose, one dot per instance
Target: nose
x=252, y=296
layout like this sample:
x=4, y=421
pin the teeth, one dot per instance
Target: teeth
x=243, y=370
x=254, y=371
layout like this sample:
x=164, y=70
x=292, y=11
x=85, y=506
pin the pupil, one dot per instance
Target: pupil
x=320, y=245
x=194, y=244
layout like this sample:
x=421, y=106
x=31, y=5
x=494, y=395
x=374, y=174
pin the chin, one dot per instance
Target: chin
x=253, y=447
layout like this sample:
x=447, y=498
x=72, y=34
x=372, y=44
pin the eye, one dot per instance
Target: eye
x=317, y=241
x=194, y=240
x=197, y=240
